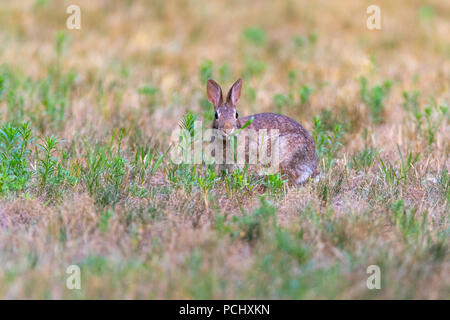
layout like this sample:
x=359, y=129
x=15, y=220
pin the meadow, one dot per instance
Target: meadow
x=85, y=123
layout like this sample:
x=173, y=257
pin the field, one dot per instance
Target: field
x=87, y=115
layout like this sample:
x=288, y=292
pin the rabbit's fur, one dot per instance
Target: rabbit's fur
x=297, y=150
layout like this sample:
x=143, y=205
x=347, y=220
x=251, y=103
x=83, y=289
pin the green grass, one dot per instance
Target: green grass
x=374, y=97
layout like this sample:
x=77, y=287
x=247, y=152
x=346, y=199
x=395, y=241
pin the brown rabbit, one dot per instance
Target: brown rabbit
x=297, y=150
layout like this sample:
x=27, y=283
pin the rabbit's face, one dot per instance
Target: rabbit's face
x=226, y=120
x=225, y=112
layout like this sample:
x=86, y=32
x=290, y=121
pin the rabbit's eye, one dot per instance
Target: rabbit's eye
x=237, y=114
x=216, y=115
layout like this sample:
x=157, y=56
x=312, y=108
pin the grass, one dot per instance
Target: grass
x=87, y=117
x=374, y=98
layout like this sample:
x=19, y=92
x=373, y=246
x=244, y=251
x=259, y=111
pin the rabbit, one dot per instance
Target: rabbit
x=297, y=150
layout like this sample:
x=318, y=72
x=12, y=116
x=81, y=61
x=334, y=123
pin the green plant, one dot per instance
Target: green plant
x=146, y=162
x=183, y=176
x=47, y=162
x=444, y=184
x=206, y=71
x=53, y=174
x=374, y=98
x=138, y=191
x=11, y=95
x=327, y=142
x=255, y=35
x=304, y=93
x=185, y=173
x=248, y=226
x=363, y=159
x=426, y=13
x=251, y=226
x=282, y=100
x=395, y=173
x=149, y=96
x=428, y=121
x=62, y=41
x=411, y=101
x=14, y=151
x=250, y=93
x=434, y=117
x=53, y=95
x=103, y=223
x=275, y=183
x=187, y=137
x=290, y=99
x=225, y=73
x=208, y=181
x=240, y=179
x=253, y=67
x=406, y=221
x=327, y=189
x=105, y=170
x=301, y=41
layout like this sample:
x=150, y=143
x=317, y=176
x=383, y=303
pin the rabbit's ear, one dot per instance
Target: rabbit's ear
x=214, y=93
x=235, y=93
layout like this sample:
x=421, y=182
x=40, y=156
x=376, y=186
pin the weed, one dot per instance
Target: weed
x=426, y=13
x=433, y=119
x=185, y=173
x=444, y=184
x=146, y=162
x=327, y=143
x=240, y=179
x=409, y=226
x=47, y=162
x=105, y=170
x=363, y=159
x=374, y=98
x=428, y=121
x=206, y=71
x=304, y=93
x=253, y=68
x=411, y=101
x=225, y=73
x=282, y=100
x=290, y=99
x=250, y=227
x=149, y=95
x=396, y=173
x=327, y=190
x=275, y=183
x=255, y=35
x=302, y=41
x=15, y=173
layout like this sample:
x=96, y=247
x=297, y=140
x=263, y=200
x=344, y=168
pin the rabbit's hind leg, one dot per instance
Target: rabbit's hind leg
x=296, y=173
x=299, y=169
x=301, y=173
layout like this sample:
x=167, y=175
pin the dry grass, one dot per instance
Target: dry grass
x=154, y=237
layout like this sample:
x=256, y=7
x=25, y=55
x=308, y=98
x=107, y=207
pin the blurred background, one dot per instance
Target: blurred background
x=136, y=51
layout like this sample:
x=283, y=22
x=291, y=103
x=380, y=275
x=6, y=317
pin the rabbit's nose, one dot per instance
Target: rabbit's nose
x=228, y=126
x=229, y=131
